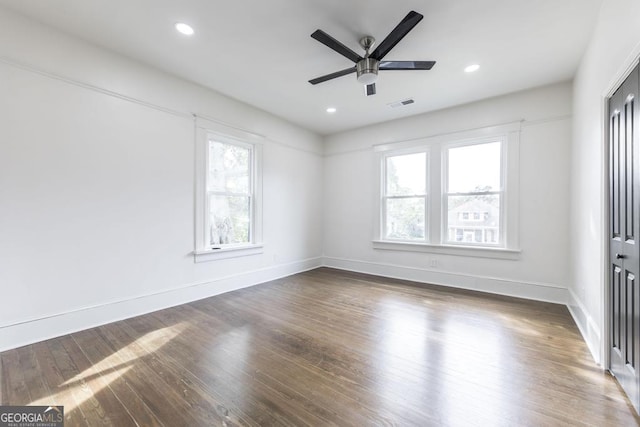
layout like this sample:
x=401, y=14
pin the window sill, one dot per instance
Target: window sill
x=205, y=255
x=467, y=251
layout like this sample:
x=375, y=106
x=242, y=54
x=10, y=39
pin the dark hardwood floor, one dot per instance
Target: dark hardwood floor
x=325, y=348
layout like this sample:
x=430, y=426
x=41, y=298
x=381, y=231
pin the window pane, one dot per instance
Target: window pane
x=474, y=168
x=405, y=218
x=229, y=219
x=474, y=219
x=229, y=167
x=406, y=175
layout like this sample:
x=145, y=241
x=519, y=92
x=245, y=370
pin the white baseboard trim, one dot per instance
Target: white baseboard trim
x=35, y=330
x=587, y=325
x=534, y=291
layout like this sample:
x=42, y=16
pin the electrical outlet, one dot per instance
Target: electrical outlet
x=434, y=263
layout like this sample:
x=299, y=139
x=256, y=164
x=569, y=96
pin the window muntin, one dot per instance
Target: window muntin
x=230, y=187
x=404, y=199
x=473, y=193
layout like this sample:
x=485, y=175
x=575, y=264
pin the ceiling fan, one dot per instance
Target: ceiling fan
x=367, y=66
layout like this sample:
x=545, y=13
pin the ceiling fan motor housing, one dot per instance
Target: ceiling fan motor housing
x=367, y=70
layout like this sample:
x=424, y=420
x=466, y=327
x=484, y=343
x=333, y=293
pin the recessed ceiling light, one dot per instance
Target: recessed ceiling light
x=331, y=110
x=185, y=29
x=471, y=68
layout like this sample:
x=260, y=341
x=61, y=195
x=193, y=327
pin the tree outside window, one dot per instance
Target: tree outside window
x=404, y=199
x=229, y=193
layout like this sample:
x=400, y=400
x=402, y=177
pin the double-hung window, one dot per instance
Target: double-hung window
x=230, y=193
x=474, y=193
x=228, y=189
x=450, y=194
x=404, y=196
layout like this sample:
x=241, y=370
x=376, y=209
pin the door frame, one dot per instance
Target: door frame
x=614, y=84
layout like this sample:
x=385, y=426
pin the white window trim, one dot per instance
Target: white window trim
x=203, y=252
x=444, y=249
x=435, y=146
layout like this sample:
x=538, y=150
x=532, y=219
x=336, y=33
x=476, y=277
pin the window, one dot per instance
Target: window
x=473, y=193
x=230, y=183
x=451, y=194
x=405, y=196
x=228, y=187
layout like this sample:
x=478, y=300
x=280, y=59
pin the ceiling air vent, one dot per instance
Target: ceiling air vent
x=401, y=103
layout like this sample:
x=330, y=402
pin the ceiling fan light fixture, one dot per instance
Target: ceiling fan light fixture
x=367, y=70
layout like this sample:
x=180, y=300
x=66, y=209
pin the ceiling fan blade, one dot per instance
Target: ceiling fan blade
x=406, y=65
x=332, y=75
x=370, y=89
x=398, y=33
x=334, y=44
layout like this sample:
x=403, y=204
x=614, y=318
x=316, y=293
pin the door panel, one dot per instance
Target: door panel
x=614, y=142
x=624, y=187
x=630, y=182
x=629, y=326
x=616, y=330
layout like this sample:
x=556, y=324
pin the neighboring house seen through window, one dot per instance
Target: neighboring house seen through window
x=474, y=193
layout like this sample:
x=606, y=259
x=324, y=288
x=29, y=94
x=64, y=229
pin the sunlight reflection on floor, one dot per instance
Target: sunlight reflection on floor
x=475, y=357
x=404, y=342
x=411, y=342
x=87, y=384
x=523, y=326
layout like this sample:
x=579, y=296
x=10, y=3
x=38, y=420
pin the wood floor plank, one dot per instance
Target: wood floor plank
x=202, y=406
x=218, y=385
x=313, y=397
x=102, y=359
x=403, y=382
x=326, y=347
x=302, y=361
x=228, y=378
x=36, y=384
x=163, y=400
x=85, y=400
x=61, y=393
x=17, y=390
x=100, y=401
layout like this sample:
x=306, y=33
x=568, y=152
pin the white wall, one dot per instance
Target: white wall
x=614, y=47
x=540, y=273
x=97, y=188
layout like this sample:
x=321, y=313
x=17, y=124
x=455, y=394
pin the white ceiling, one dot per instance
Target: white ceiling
x=261, y=52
